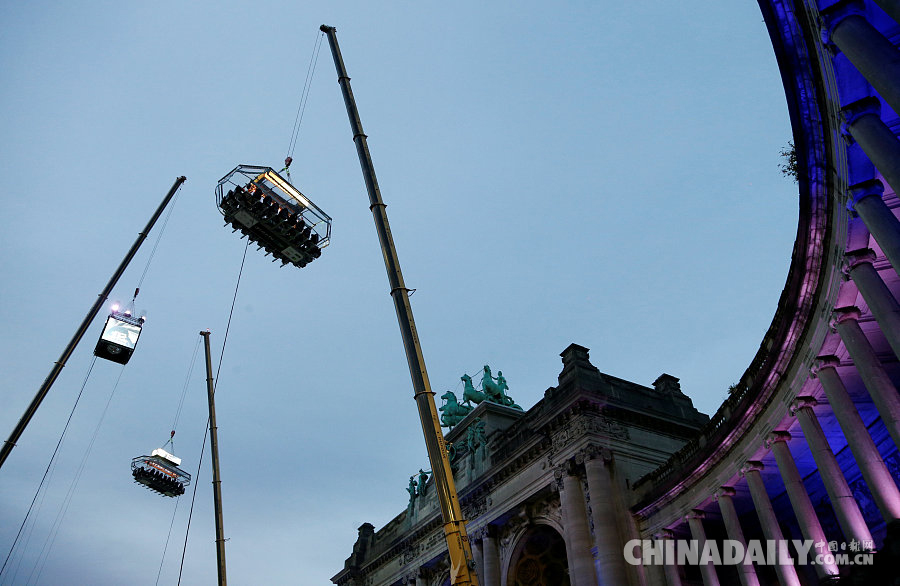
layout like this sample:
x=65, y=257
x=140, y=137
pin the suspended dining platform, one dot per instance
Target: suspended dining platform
x=274, y=214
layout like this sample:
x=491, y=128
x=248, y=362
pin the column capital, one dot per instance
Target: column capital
x=855, y=258
x=802, y=402
x=865, y=189
x=852, y=112
x=566, y=469
x=482, y=533
x=558, y=473
x=725, y=491
x=777, y=436
x=844, y=314
x=695, y=514
x=752, y=466
x=664, y=533
x=821, y=363
x=595, y=453
x=836, y=13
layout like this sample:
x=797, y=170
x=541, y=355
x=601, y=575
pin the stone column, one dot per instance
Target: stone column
x=885, y=309
x=875, y=473
x=845, y=507
x=803, y=508
x=787, y=574
x=881, y=389
x=695, y=522
x=869, y=51
x=725, y=496
x=673, y=576
x=478, y=556
x=891, y=7
x=611, y=563
x=862, y=121
x=881, y=221
x=578, y=544
x=491, y=555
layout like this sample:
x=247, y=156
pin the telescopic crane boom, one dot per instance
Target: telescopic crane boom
x=462, y=567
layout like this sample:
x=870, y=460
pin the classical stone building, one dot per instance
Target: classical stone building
x=806, y=445
x=524, y=477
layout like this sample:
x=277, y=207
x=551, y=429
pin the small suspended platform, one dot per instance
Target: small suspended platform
x=119, y=337
x=271, y=212
x=160, y=472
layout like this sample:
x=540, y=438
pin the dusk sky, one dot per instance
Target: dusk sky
x=603, y=173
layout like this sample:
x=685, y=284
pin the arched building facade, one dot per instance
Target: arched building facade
x=806, y=446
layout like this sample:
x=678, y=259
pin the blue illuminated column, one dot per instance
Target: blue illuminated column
x=891, y=7
x=725, y=498
x=803, y=508
x=875, y=473
x=787, y=574
x=695, y=522
x=881, y=389
x=858, y=266
x=868, y=50
x=880, y=221
x=863, y=124
x=841, y=497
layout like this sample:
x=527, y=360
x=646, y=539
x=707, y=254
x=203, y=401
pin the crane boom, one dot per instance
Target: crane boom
x=462, y=567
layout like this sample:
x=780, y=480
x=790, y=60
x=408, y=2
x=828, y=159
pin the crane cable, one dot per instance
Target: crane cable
x=206, y=432
x=171, y=441
x=162, y=230
x=67, y=501
x=304, y=99
x=49, y=465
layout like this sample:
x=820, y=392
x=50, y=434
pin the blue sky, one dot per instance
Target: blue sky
x=597, y=173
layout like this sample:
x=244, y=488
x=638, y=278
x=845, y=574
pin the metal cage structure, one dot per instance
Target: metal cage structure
x=160, y=473
x=274, y=214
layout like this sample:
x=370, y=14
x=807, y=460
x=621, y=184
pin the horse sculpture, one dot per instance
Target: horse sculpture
x=452, y=412
x=495, y=391
x=469, y=392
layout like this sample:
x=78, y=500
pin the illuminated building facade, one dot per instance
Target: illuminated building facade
x=806, y=445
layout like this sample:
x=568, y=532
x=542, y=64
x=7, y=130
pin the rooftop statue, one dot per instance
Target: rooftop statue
x=451, y=411
x=423, y=480
x=469, y=392
x=495, y=389
x=411, y=489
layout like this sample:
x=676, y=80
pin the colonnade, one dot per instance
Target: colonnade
x=847, y=31
x=592, y=558
x=596, y=558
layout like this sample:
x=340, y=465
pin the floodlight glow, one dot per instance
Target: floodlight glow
x=287, y=187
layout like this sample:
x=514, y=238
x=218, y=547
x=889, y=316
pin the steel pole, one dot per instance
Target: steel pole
x=85, y=324
x=461, y=562
x=214, y=448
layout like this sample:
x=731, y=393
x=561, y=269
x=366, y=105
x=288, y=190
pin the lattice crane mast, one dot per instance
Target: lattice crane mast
x=462, y=566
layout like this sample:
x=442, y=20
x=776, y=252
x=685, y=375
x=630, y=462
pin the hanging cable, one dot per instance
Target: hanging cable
x=57, y=523
x=304, y=98
x=166, y=546
x=49, y=464
x=206, y=432
x=162, y=229
x=187, y=381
